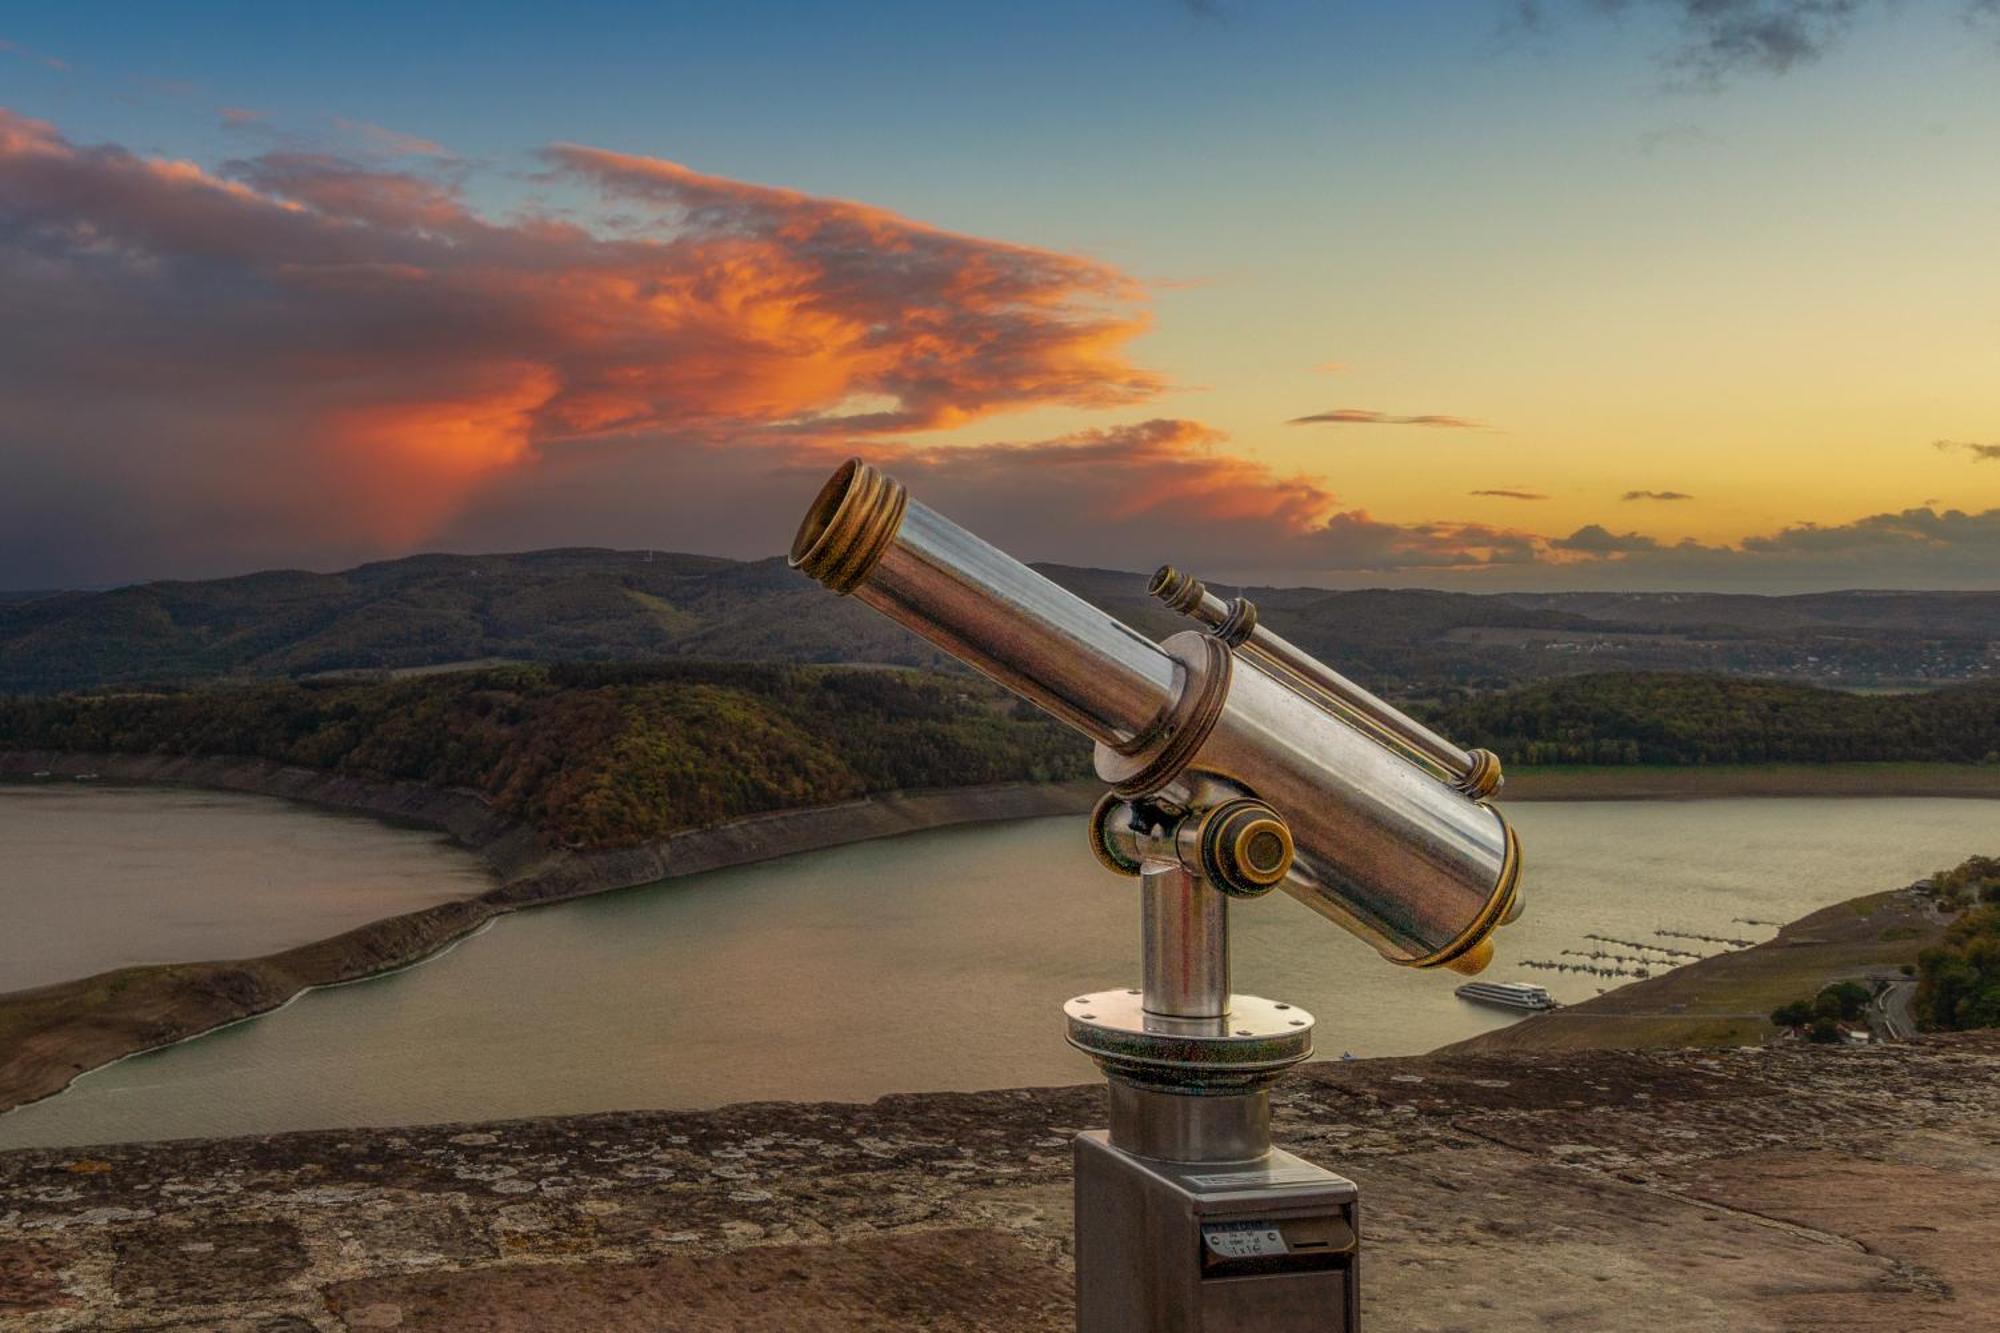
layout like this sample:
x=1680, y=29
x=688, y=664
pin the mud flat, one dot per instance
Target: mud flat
x=1789, y=1187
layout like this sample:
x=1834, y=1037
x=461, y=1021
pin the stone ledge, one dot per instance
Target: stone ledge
x=1800, y=1187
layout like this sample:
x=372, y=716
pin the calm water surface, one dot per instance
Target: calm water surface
x=96, y=877
x=939, y=960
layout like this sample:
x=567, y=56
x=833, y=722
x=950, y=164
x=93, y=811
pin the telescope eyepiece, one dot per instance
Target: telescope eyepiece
x=1241, y=846
x=1246, y=848
x=1182, y=592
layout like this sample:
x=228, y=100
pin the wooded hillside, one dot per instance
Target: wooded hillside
x=597, y=756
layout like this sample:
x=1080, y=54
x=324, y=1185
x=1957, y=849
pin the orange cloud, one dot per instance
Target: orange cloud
x=1129, y=496
x=1360, y=416
x=300, y=345
x=1137, y=495
x=950, y=326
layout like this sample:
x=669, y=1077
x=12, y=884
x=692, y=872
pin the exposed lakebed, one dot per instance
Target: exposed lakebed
x=937, y=961
x=95, y=877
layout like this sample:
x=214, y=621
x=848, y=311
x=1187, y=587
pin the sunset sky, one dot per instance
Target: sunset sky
x=1478, y=295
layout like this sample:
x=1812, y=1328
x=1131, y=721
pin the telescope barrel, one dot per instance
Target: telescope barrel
x=1475, y=772
x=1414, y=866
x=864, y=536
x=1382, y=849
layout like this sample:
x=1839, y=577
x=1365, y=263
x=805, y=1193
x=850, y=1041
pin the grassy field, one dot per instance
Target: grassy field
x=1585, y=782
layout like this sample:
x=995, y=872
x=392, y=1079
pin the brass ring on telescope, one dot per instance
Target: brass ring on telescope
x=1162, y=754
x=850, y=525
x=1483, y=778
x=1470, y=952
x=1240, y=624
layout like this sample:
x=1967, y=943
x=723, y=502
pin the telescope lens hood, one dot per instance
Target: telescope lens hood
x=850, y=525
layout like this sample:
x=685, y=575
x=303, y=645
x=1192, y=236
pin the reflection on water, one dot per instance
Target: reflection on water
x=939, y=960
x=98, y=877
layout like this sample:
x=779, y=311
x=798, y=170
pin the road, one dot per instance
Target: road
x=1889, y=1013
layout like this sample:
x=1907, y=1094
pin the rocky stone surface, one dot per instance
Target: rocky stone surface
x=1788, y=1187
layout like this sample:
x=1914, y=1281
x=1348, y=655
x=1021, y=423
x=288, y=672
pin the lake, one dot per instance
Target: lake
x=940, y=961
x=95, y=877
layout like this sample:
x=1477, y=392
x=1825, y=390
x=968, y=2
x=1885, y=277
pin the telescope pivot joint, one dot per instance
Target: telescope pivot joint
x=1241, y=846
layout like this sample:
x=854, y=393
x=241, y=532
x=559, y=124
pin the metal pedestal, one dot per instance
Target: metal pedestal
x=1269, y=1245
x=1187, y=1219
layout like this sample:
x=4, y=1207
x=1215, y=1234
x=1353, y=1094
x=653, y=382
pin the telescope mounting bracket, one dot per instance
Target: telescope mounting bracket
x=1190, y=1063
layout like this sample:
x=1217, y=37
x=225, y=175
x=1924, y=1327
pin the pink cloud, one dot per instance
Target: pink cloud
x=380, y=140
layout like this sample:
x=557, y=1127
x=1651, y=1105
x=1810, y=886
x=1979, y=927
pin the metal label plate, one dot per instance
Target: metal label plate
x=1243, y=1240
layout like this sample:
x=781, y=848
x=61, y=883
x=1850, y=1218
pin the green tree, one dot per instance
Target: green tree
x=1795, y=1014
x=1848, y=999
x=1958, y=981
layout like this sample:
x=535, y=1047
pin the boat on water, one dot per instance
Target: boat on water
x=1507, y=994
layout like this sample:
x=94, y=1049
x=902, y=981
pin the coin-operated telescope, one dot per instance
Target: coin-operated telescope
x=1237, y=764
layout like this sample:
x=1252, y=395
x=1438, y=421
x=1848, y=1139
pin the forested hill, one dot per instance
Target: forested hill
x=611, y=755
x=596, y=756
x=1652, y=718
x=585, y=605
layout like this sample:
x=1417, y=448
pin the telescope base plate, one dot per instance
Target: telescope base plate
x=1245, y=1049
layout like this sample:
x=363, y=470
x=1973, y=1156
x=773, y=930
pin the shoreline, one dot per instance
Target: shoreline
x=53, y=1034
x=1724, y=1000
x=50, y=1035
